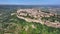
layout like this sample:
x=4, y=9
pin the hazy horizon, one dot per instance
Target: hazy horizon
x=29, y=2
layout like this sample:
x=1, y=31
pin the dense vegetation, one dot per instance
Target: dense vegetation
x=13, y=25
x=22, y=25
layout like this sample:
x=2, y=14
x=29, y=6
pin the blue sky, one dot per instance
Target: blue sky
x=31, y=2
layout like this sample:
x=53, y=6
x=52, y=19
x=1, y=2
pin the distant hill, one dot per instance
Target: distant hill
x=29, y=6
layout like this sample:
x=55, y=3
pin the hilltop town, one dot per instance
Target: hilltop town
x=39, y=16
x=29, y=19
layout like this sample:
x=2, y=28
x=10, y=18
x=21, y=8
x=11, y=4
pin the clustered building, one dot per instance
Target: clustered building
x=37, y=14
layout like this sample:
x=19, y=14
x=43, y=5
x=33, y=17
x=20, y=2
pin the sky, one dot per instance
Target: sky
x=30, y=2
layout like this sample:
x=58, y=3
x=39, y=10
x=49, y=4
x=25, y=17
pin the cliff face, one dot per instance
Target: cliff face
x=35, y=15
